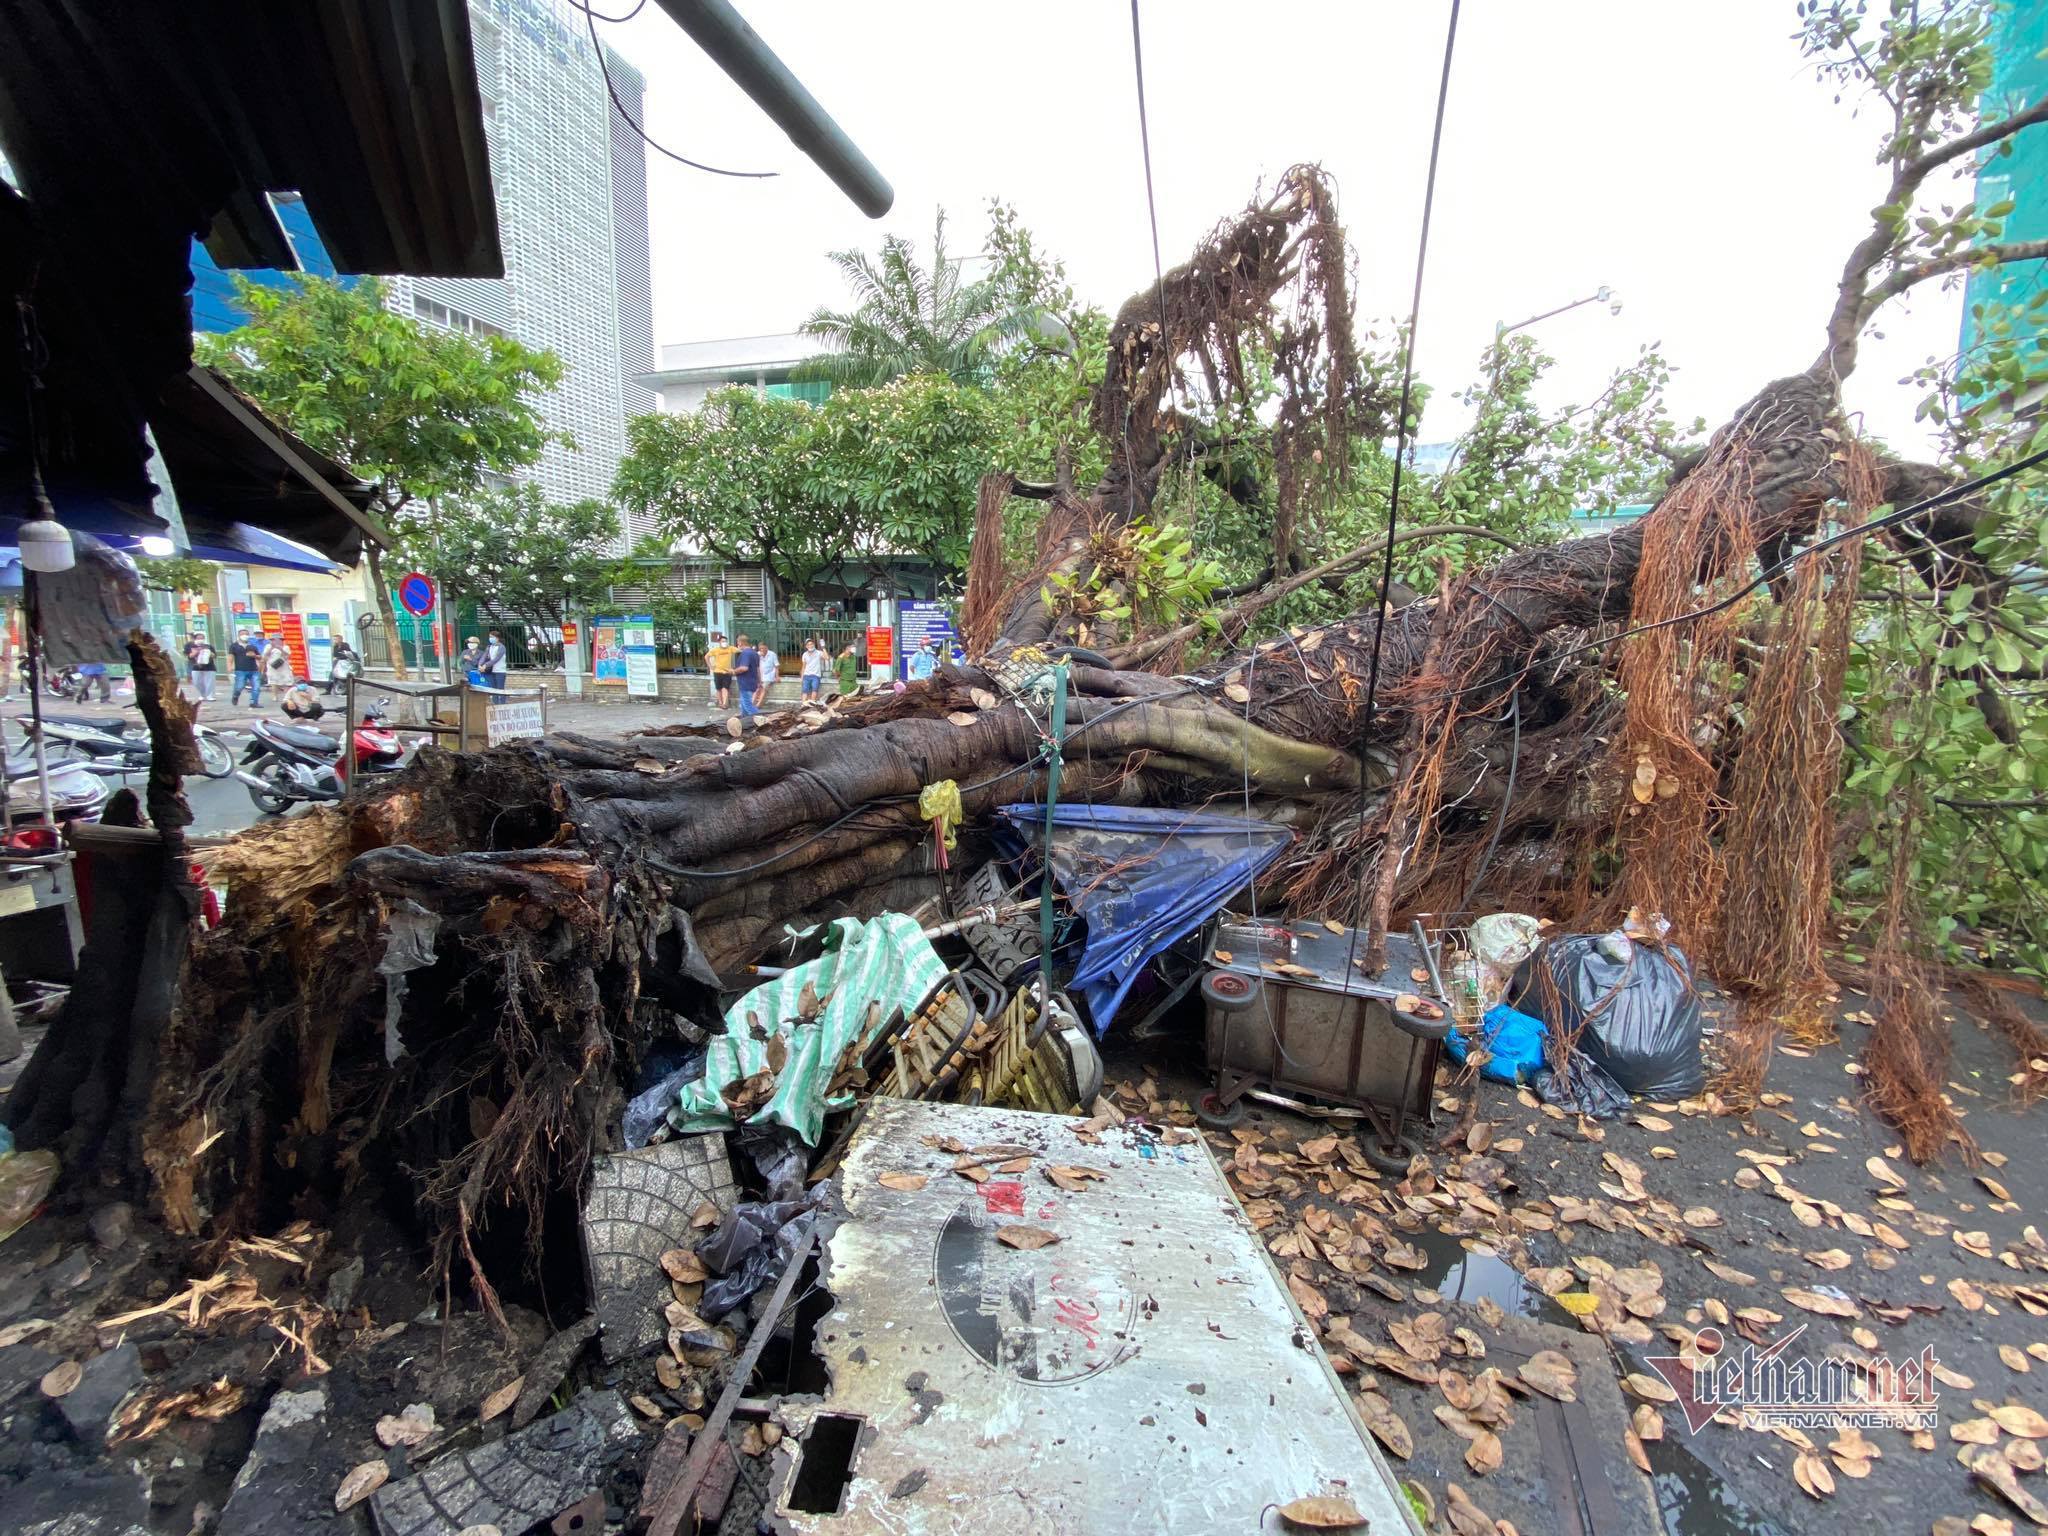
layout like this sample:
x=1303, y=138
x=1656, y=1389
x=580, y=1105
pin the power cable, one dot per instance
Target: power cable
x=1151, y=206
x=590, y=19
x=1386, y=584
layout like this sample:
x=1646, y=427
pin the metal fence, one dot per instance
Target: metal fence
x=535, y=647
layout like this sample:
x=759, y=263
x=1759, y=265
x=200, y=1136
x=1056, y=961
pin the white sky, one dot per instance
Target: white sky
x=1679, y=153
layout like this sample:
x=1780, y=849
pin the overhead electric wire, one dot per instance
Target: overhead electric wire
x=1386, y=585
x=590, y=20
x=1151, y=206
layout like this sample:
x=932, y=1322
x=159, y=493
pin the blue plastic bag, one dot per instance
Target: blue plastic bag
x=1515, y=1040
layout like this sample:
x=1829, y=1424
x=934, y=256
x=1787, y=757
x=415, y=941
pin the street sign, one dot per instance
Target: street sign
x=416, y=593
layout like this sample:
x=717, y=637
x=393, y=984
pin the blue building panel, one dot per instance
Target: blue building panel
x=213, y=290
x=2019, y=77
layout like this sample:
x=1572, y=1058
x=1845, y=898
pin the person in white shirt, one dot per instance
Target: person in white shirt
x=814, y=668
x=771, y=669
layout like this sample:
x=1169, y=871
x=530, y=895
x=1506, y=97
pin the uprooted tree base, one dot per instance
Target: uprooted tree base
x=442, y=987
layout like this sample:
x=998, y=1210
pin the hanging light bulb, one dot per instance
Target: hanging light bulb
x=45, y=543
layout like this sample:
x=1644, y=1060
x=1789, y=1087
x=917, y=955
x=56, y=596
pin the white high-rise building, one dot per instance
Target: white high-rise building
x=571, y=182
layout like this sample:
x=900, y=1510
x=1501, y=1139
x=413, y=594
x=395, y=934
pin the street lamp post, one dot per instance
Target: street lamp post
x=45, y=546
x=1604, y=295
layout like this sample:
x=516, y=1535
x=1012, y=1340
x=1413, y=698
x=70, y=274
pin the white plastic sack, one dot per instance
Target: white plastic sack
x=1501, y=941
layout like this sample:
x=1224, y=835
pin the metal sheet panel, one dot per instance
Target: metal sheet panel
x=1146, y=1372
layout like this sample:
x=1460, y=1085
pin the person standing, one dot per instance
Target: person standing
x=342, y=665
x=493, y=660
x=925, y=662
x=771, y=672
x=277, y=667
x=718, y=662
x=199, y=661
x=813, y=669
x=245, y=658
x=95, y=675
x=848, y=668
x=746, y=674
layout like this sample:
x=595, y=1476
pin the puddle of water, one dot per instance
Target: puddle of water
x=1694, y=1500
x=1458, y=1274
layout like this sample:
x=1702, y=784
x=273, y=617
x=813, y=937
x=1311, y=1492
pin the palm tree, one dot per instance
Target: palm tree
x=910, y=320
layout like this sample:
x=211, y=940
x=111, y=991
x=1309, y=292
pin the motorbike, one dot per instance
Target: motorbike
x=110, y=745
x=286, y=764
x=76, y=794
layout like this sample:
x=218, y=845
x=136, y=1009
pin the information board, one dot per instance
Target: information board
x=881, y=646
x=292, y=626
x=608, y=653
x=918, y=622
x=514, y=721
x=643, y=679
x=319, y=646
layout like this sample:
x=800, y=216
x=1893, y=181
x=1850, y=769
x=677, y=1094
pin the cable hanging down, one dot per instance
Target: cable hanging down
x=590, y=21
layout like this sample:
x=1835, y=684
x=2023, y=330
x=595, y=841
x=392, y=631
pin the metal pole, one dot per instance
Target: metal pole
x=32, y=603
x=752, y=65
x=1052, y=800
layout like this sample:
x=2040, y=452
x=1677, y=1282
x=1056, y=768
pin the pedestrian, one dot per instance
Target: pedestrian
x=199, y=661
x=277, y=667
x=492, y=662
x=925, y=662
x=848, y=668
x=472, y=652
x=342, y=664
x=95, y=674
x=746, y=674
x=718, y=661
x=813, y=668
x=244, y=658
x=771, y=672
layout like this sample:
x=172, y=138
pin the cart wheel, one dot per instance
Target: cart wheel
x=1387, y=1157
x=1228, y=992
x=1219, y=1116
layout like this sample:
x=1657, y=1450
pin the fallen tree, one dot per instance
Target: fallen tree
x=444, y=984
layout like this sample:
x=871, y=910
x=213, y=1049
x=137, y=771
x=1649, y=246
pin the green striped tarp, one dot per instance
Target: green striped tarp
x=885, y=960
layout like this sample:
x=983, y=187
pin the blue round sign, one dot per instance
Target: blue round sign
x=416, y=594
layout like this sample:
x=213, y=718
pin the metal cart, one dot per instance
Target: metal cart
x=1293, y=1021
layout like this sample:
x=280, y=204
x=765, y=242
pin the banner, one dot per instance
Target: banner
x=293, y=628
x=608, y=653
x=319, y=646
x=881, y=646
x=643, y=678
x=918, y=622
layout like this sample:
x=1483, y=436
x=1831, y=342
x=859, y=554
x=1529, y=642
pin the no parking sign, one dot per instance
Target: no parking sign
x=416, y=593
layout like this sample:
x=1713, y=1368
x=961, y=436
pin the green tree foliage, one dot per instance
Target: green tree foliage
x=530, y=558
x=910, y=318
x=425, y=413
x=177, y=573
x=806, y=490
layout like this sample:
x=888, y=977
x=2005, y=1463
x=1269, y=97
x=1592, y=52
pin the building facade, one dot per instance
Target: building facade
x=2019, y=77
x=691, y=370
x=571, y=184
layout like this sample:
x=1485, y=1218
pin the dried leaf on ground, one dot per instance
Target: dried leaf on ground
x=1994, y=1471
x=897, y=1179
x=681, y=1265
x=1467, y=1518
x=1647, y=1422
x=1073, y=1177
x=1633, y=1444
x=1974, y=1431
x=62, y=1378
x=409, y=1427
x=1308, y=1298
x=2014, y=1358
x=360, y=1484
x=2018, y=1419
x=1552, y=1373
x=1026, y=1237
x=1811, y=1473
x=1853, y=1453
x=499, y=1401
x=1883, y=1172
x=1821, y=1302
x=1483, y=1453
x=1830, y=1258
x=1729, y=1272
x=1387, y=1426
x=1324, y=1512
x=1652, y=1389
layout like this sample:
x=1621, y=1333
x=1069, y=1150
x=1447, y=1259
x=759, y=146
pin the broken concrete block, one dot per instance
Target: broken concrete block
x=108, y=1378
x=285, y=1485
x=640, y=1206
x=517, y=1482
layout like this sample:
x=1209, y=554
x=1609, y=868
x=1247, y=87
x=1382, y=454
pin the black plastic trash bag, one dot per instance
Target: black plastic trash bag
x=1633, y=1008
x=668, y=1068
x=749, y=1249
x=1583, y=1089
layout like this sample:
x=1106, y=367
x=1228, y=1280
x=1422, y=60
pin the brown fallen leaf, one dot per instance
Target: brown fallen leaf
x=1883, y=1172
x=668, y=1373
x=1978, y=1243
x=1311, y=1301
x=411, y=1427
x=1974, y=1431
x=969, y=1168
x=1026, y=1237
x=1811, y=1473
x=1483, y=1452
x=898, y=1179
x=645, y=1406
x=1387, y=1426
x=503, y=1398
x=1552, y=1373
x=61, y=1379
x=1729, y=1272
x=681, y=1265
x=1995, y=1472
x=360, y=1484
x=1949, y=1377
x=2018, y=1419
x=1014, y=1165
x=1652, y=1389
x=2015, y=1358
x=1853, y=1453
x=752, y=1441
x=1322, y=1512
x=1829, y=1258
x=1467, y=1518
x=1825, y=1305
x=706, y=1215
x=1647, y=1422
x=1072, y=1177
x=1633, y=1444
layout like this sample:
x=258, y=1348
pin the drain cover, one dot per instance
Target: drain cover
x=640, y=1206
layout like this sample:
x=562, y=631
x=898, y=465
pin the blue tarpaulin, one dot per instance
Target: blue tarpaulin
x=1141, y=880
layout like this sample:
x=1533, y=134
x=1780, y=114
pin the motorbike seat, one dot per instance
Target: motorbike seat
x=299, y=736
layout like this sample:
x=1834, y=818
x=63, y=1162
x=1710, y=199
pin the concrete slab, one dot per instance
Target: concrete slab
x=1147, y=1371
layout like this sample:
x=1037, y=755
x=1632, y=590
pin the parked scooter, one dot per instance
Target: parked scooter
x=76, y=792
x=286, y=764
x=110, y=746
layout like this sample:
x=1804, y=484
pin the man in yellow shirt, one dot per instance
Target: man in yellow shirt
x=718, y=658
